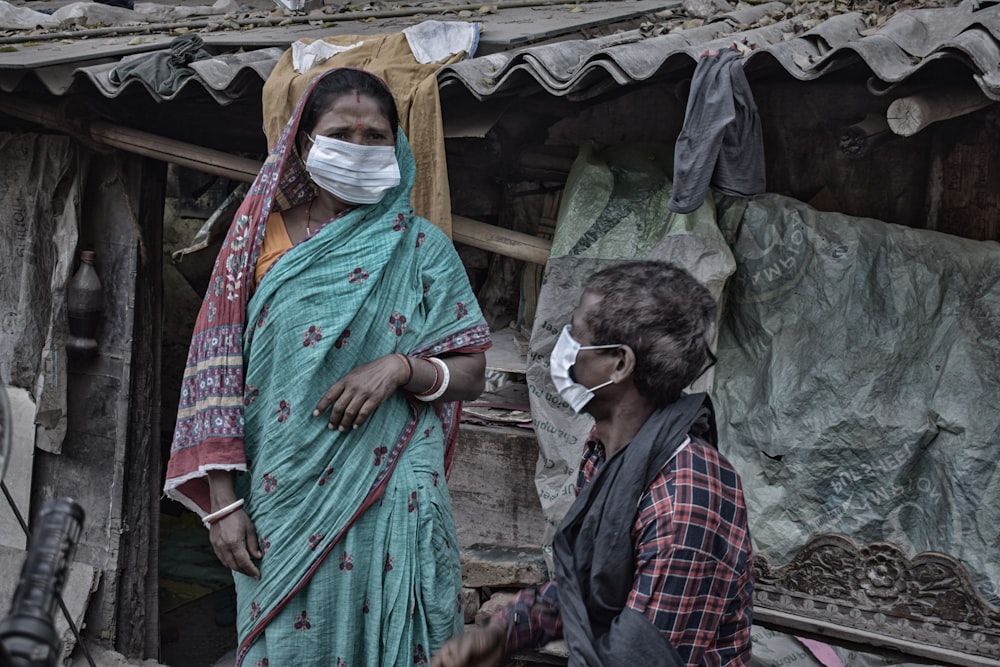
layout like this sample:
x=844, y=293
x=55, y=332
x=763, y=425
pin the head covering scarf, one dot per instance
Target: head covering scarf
x=209, y=430
x=376, y=280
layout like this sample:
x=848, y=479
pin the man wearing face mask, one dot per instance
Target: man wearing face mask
x=319, y=402
x=653, y=559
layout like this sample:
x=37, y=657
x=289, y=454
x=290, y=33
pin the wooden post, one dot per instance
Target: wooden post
x=908, y=115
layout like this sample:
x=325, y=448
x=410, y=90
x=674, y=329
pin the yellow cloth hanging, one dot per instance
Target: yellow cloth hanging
x=413, y=85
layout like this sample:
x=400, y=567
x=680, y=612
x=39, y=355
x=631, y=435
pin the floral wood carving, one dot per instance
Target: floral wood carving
x=875, y=595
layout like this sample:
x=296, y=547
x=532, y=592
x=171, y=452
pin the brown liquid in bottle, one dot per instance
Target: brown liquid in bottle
x=84, y=301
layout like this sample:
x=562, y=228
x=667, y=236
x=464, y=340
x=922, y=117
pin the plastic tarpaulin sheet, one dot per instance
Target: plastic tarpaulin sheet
x=40, y=179
x=858, y=375
x=858, y=383
x=776, y=649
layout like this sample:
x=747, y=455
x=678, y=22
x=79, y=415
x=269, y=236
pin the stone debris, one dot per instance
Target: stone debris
x=801, y=16
x=470, y=604
x=493, y=566
x=495, y=603
x=107, y=658
x=42, y=17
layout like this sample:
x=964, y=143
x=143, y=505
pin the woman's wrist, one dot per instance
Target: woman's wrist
x=221, y=491
x=218, y=515
x=442, y=377
x=418, y=375
x=406, y=369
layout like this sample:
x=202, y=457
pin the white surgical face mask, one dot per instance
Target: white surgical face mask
x=353, y=173
x=561, y=362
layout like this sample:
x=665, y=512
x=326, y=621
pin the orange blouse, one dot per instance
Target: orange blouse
x=276, y=243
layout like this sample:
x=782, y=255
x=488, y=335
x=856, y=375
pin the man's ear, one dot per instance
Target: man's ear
x=624, y=364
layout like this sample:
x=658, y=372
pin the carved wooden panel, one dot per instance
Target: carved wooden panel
x=876, y=596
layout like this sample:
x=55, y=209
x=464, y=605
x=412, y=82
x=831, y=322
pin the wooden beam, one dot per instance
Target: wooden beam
x=464, y=230
x=908, y=115
x=895, y=645
x=500, y=240
x=187, y=155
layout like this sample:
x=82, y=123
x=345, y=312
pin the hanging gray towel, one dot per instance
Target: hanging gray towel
x=164, y=71
x=721, y=141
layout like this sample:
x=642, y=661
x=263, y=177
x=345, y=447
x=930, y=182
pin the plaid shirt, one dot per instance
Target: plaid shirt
x=693, y=566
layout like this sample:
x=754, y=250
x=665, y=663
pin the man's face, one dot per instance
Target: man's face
x=592, y=367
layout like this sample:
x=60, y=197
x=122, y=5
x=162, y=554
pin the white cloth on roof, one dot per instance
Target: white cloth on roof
x=435, y=41
x=306, y=56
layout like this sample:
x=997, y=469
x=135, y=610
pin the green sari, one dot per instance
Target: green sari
x=360, y=564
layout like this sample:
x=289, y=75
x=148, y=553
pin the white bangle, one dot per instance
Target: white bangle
x=445, y=378
x=209, y=519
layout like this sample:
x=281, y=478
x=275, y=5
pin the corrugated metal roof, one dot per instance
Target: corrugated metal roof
x=908, y=42
x=61, y=66
x=225, y=77
x=576, y=68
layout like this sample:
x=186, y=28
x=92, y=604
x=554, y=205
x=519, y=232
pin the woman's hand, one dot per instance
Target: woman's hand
x=353, y=398
x=233, y=537
x=476, y=647
x=234, y=540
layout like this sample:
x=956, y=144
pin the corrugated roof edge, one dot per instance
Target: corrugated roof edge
x=225, y=77
x=907, y=43
x=579, y=69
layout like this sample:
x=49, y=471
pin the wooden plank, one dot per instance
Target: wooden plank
x=18, y=475
x=492, y=487
x=895, y=646
x=138, y=586
x=545, y=23
x=961, y=197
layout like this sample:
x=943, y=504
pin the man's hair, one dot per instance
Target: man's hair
x=661, y=312
x=343, y=81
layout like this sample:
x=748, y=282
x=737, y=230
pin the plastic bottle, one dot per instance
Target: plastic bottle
x=84, y=302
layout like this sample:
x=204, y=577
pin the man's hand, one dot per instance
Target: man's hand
x=354, y=397
x=234, y=540
x=476, y=647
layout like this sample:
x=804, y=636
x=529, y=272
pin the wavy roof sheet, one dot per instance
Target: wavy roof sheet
x=583, y=68
x=908, y=42
x=225, y=78
x=80, y=61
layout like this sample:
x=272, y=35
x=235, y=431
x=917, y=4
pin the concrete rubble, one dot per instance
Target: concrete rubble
x=34, y=17
x=107, y=658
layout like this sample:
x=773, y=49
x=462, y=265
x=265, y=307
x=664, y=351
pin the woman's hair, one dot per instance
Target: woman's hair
x=346, y=81
x=661, y=312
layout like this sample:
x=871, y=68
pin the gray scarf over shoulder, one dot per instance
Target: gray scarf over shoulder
x=593, y=550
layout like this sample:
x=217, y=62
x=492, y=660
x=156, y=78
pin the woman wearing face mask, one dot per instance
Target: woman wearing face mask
x=319, y=406
x=653, y=559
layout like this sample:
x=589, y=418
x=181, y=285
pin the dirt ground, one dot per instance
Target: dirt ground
x=104, y=658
